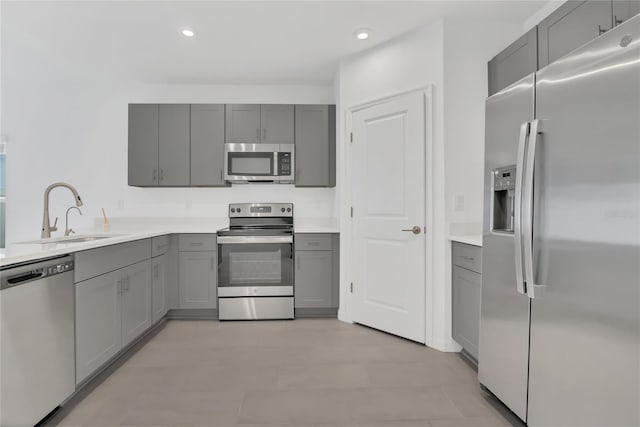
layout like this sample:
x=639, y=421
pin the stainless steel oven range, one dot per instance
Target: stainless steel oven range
x=255, y=262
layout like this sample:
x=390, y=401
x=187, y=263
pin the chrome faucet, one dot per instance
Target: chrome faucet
x=67, y=230
x=46, y=225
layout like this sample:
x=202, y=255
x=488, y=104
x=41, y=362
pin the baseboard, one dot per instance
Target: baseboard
x=445, y=345
x=310, y=313
x=193, y=314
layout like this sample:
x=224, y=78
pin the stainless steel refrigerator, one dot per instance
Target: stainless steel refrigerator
x=560, y=315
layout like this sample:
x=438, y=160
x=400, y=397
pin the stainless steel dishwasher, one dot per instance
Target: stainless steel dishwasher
x=37, y=356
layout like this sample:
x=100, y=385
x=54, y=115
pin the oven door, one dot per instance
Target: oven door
x=251, y=162
x=252, y=266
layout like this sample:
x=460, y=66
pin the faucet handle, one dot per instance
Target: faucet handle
x=53, y=227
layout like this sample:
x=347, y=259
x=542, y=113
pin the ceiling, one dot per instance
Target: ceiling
x=239, y=42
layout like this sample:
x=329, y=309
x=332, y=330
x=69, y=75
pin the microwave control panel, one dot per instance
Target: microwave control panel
x=284, y=164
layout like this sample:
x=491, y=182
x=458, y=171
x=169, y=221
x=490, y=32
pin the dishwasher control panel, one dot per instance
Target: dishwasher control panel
x=20, y=275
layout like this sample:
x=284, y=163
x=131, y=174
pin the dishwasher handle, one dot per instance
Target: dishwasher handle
x=25, y=277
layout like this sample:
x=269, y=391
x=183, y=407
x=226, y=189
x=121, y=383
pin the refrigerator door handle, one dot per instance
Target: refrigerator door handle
x=517, y=209
x=533, y=290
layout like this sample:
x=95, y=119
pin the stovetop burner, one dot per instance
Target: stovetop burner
x=259, y=219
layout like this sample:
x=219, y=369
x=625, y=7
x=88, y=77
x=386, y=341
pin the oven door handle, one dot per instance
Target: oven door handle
x=254, y=239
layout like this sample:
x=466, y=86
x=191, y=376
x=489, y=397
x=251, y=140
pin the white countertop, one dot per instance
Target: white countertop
x=470, y=239
x=124, y=230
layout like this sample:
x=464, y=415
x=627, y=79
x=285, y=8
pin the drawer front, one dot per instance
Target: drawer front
x=467, y=256
x=95, y=262
x=197, y=242
x=313, y=242
x=159, y=245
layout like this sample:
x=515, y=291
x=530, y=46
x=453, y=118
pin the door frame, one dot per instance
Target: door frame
x=427, y=96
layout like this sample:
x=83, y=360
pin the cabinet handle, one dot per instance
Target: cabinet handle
x=155, y=174
x=601, y=30
x=264, y=134
x=196, y=243
x=221, y=175
x=161, y=174
x=258, y=134
x=617, y=21
x=119, y=286
x=126, y=281
x=467, y=258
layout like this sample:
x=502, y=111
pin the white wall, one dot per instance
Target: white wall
x=63, y=124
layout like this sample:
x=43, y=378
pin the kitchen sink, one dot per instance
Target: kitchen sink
x=70, y=239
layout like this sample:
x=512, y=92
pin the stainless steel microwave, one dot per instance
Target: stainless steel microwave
x=259, y=163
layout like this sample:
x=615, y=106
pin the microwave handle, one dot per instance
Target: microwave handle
x=276, y=165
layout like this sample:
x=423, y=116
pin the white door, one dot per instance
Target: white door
x=388, y=193
x=136, y=300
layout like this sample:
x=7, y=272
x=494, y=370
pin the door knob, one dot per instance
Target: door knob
x=415, y=230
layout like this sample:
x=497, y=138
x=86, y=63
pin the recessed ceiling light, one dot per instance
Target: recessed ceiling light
x=188, y=33
x=362, y=33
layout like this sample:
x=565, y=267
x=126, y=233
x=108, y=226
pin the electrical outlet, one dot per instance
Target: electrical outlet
x=458, y=203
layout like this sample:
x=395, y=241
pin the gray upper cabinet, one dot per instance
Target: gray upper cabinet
x=519, y=59
x=624, y=9
x=207, y=145
x=315, y=133
x=277, y=124
x=173, y=143
x=570, y=26
x=242, y=123
x=143, y=145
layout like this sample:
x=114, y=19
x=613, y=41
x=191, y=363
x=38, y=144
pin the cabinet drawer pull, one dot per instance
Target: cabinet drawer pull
x=467, y=258
x=196, y=243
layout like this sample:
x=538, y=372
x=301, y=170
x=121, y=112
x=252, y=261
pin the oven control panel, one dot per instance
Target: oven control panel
x=240, y=210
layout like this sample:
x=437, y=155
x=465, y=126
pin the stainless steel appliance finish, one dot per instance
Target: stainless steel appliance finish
x=37, y=359
x=255, y=308
x=578, y=200
x=255, y=262
x=245, y=163
x=503, y=354
x=584, y=271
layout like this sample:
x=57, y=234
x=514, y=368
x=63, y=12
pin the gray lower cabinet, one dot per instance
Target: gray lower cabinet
x=465, y=296
x=316, y=274
x=112, y=310
x=315, y=133
x=207, y=145
x=516, y=61
x=173, y=143
x=159, y=278
x=570, y=26
x=197, y=270
x=143, y=145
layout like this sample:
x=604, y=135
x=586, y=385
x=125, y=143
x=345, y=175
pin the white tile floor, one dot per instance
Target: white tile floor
x=318, y=372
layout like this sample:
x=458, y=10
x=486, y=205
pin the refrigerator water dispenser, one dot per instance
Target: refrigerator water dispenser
x=504, y=184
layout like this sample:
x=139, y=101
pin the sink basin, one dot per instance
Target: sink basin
x=70, y=239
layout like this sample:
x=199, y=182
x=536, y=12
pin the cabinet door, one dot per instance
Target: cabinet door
x=136, y=300
x=517, y=60
x=624, y=9
x=159, y=266
x=207, y=145
x=98, y=322
x=572, y=25
x=143, y=145
x=277, y=124
x=315, y=145
x=242, y=123
x=198, y=279
x=173, y=143
x=466, y=309
x=314, y=279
